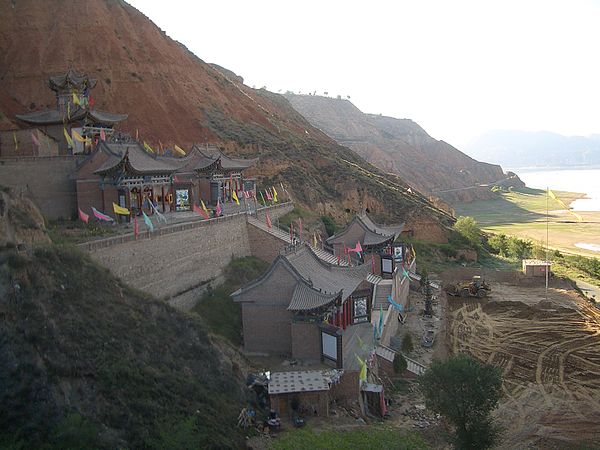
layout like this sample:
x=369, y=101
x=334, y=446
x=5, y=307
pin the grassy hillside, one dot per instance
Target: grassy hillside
x=87, y=362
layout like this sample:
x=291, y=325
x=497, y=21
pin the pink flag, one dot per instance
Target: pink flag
x=200, y=211
x=35, y=140
x=219, y=209
x=269, y=197
x=100, y=216
x=300, y=227
x=136, y=227
x=356, y=249
x=83, y=216
x=269, y=223
x=102, y=135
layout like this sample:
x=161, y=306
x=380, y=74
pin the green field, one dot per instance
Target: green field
x=522, y=213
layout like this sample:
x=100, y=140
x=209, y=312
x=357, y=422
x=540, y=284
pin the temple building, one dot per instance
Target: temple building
x=376, y=241
x=74, y=114
x=121, y=171
x=305, y=308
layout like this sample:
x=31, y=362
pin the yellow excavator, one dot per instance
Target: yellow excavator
x=477, y=287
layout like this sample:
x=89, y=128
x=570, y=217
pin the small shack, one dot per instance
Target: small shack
x=305, y=392
x=536, y=268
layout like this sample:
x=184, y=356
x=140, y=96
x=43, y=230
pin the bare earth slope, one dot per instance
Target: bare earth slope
x=402, y=147
x=172, y=96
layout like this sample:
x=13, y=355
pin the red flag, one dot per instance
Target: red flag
x=102, y=135
x=91, y=101
x=269, y=223
x=136, y=228
x=83, y=216
x=200, y=211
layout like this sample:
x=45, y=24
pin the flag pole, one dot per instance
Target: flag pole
x=547, y=234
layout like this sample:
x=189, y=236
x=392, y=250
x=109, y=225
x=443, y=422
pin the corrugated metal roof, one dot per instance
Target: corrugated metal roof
x=298, y=381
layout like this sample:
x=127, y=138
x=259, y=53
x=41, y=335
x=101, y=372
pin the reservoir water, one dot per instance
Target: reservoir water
x=573, y=180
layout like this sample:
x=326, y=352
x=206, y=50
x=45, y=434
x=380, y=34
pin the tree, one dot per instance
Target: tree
x=467, y=227
x=407, y=345
x=498, y=243
x=400, y=363
x=518, y=248
x=464, y=391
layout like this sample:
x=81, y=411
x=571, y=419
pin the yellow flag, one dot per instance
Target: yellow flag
x=203, y=206
x=148, y=148
x=315, y=239
x=274, y=195
x=15, y=139
x=235, y=197
x=179, y=150
x=363, y=369
x=68, y=138
x=76, y=99
x=120, y=210
x=78, y=137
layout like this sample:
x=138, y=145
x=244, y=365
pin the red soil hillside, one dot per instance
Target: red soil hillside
x=172, y=96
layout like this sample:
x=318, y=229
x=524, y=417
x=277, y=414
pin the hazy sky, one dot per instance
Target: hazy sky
x=458, y=68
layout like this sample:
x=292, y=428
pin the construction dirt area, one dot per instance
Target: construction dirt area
x=548, y=350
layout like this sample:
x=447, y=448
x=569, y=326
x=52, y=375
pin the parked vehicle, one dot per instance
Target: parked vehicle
x=477, y=287
x=428, y=338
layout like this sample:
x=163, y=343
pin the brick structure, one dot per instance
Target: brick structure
x=283, y=311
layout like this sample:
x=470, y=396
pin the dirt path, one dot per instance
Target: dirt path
x=549, y=353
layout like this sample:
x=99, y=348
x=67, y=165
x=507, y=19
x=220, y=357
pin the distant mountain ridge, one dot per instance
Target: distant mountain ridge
x=402, y=147
x=513, y=148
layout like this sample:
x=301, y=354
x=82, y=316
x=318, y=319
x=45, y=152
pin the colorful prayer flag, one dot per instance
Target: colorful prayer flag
x=179, y=150
x=78, y=137
x=380, y=328
x=315, y=239
x=102, y=135
x=269, y=197
x=148, y=222
x=201, y=211
x=235, y=197
x=363, y=369
x=83, y=216
x=136, y=227
x=15, y=140
x=397, y=306
x=120, y=210
x=274, y=194
x=157, y=212
x=300, y=227
x=268, y=219
x=219, y=209
x=98, y=215
x=263, y=198
x=76, y=99
x=203, y=206
x=148, y=148
x=34, y=139
x=68, y=138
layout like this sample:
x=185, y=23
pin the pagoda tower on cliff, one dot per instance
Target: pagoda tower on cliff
x=74, y=112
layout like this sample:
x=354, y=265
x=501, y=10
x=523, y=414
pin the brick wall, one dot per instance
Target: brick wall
x=347, y=390
x=47, y=180
x=264, y=245
x=306, y=341
x=266, y=320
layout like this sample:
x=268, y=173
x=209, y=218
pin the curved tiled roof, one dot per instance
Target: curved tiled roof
x=317, y=283
x=69, y=80
x=54, y=116
x=214, y=156
x=135, y=158
x=374, y=233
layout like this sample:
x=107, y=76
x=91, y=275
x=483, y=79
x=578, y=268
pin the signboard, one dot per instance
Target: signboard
x=182, y=200
x=329, y=344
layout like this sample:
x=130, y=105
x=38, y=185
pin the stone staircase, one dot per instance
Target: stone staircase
x=285, y=237
x=380, y=296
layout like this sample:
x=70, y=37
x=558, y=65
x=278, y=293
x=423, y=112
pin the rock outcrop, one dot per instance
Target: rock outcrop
x=402, y=147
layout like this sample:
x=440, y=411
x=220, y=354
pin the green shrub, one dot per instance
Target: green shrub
x=330, y=225
x=400, y=363
x=407, y=345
